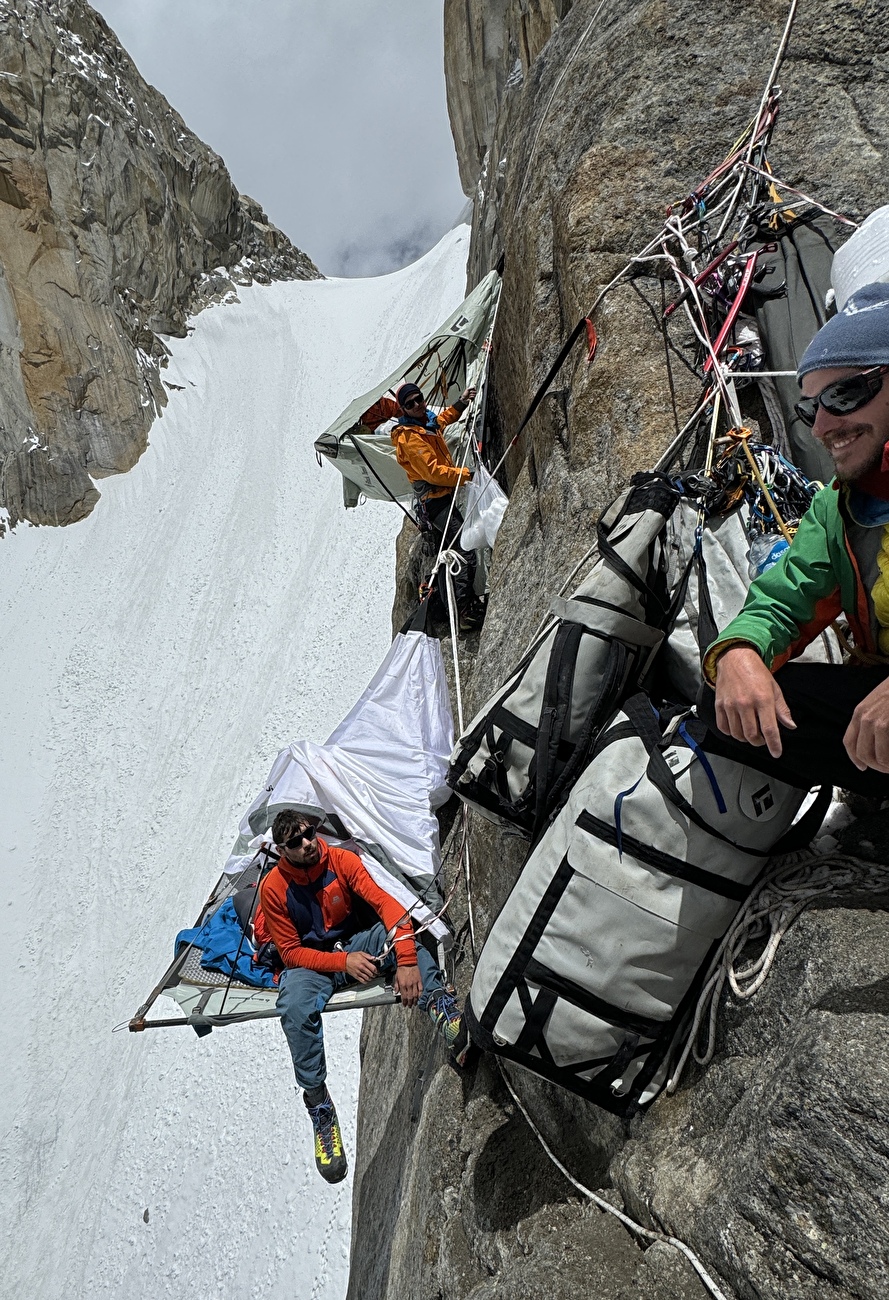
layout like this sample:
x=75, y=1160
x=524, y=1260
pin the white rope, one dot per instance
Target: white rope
x=763, y=103
x=447, y=562
x=785, y=891
x=773, y=179
x=779, y=57
x=450, y=561
x=625, y=1219
x=677, y=441
x=647, y=255
x=463, y=454
x=687, y=285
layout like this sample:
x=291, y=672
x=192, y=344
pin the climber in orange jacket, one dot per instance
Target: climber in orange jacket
x=308, y=901
x=424, y=456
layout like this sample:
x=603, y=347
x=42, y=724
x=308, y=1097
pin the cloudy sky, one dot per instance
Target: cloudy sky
x=330, y=113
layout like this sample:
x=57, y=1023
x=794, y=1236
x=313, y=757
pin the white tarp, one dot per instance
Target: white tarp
x=443, y=367
x=381, y=775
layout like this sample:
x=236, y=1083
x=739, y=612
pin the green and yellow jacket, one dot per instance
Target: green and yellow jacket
x=838, y=563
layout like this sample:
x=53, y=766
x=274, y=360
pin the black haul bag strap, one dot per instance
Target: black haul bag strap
x=512, y=727
x=647, y=723
x=613, y=682
x=651, y=491
x=556, y=703
x=661, y=861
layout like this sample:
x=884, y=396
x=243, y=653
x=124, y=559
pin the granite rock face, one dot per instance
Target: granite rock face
x=576, y=125
x=774, y=1162
x=116, y=222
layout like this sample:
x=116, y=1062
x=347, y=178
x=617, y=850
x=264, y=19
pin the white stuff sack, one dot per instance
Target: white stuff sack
x=863, y=259
x=485, y=504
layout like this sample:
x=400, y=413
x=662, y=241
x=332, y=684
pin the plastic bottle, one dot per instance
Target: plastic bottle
x=765, y=552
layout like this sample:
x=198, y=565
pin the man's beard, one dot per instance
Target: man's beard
x=852, y=476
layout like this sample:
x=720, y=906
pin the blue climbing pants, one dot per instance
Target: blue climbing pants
x=303, y=994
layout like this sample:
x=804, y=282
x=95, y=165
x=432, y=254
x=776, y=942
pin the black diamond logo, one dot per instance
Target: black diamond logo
x=763, y=800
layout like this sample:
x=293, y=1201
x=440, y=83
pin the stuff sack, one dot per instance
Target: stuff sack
x=516, y=760
x=483, y=511
x=712, y=579
x=599, y=953
x=531, y=739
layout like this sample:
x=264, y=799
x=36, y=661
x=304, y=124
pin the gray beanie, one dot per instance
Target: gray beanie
x=857, y=336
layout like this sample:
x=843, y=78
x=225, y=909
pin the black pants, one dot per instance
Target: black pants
x=436, y=512
x=821, y=699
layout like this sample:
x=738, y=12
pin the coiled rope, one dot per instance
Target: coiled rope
x=784, y=892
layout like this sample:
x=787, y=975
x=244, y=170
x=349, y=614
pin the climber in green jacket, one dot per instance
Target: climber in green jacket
x=813, y=723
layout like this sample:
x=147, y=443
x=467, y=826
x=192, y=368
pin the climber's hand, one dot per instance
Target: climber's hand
x=361, y=966
x=867, y=735
x=749, y=702
x=408, y=985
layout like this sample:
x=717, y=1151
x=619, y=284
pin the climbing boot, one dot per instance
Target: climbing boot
x=330, y=1156
x=444, y=1012
x=463, y=1050
x=472, y=616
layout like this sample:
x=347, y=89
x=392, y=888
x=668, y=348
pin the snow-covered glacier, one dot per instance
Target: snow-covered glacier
x=217, y=603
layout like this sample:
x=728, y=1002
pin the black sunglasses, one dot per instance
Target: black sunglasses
x=844, y=396
x=413, y=401
x=306, y=835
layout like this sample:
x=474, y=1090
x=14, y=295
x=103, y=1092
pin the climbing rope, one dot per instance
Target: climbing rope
x=782, y=185
x=789, y=886
x=466, y=445
x=648, y=1233
x=763, y=107
x=784, y=892
x=450, y=561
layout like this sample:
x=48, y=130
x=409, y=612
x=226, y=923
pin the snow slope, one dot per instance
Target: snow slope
x=218, y=603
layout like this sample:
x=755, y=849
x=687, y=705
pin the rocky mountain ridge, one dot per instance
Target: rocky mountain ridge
x=116, y=223
x=576, y=125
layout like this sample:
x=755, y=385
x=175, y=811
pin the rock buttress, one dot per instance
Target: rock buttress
x=115, y=222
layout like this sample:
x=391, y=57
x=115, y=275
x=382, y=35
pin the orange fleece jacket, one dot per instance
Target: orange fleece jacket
x=424, y=456
x=352, y=877
x=381, y=411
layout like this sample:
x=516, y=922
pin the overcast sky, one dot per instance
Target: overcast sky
x=330, y=113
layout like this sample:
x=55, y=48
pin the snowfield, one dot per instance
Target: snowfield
x=218, y=603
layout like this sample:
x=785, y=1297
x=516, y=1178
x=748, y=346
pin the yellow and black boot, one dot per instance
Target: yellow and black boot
x=330, y=1157
x=444, y=1012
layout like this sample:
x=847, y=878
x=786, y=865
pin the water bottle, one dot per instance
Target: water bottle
x=765, y=552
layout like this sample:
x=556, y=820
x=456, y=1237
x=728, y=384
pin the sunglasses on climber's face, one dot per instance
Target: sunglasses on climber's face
x=412, y=402
x=843, y=396
x=305, y=836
